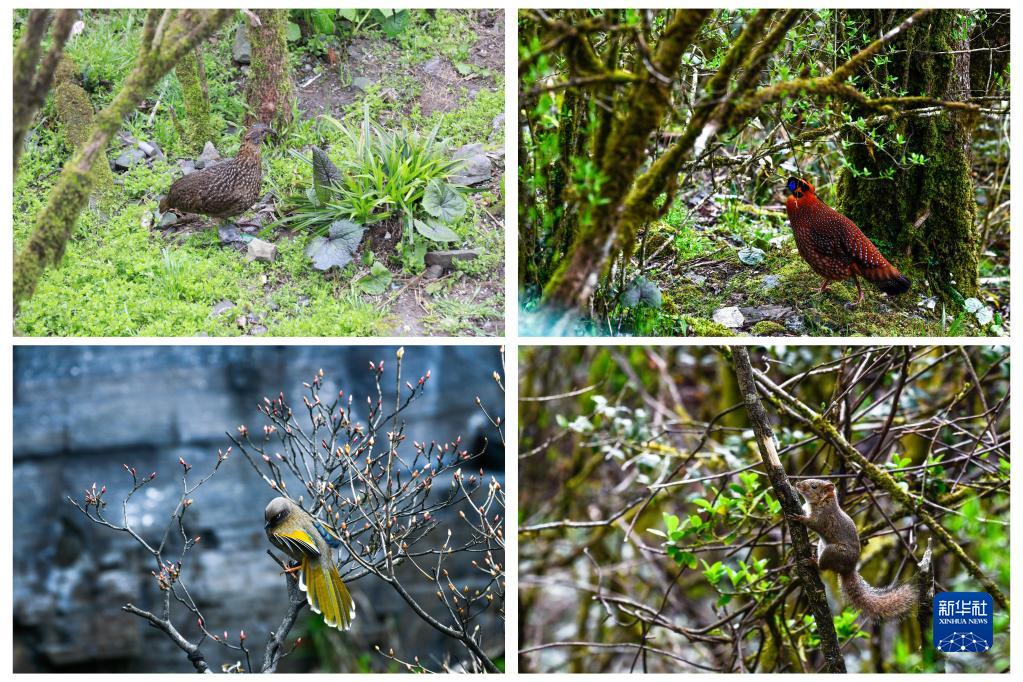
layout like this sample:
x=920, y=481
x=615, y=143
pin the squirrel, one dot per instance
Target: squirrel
x=840, y=552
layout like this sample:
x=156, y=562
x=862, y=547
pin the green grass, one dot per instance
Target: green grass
x=120, y=279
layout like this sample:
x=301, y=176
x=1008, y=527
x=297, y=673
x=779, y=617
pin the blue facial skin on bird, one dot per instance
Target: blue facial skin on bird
x=309, y=542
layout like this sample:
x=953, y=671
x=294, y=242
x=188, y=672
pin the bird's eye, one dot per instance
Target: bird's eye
x=792, y=184
x=813, y=485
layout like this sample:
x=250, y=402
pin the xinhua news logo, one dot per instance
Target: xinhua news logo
x=963, y=622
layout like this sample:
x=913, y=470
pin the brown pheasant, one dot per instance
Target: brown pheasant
x=226, y=189
x=834, y=247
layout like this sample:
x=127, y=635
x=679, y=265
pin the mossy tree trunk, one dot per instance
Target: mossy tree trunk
x=33, y=73
x=923, y=218
x=270, y=93
x=191, y=73
x=75, y=112
x=167, y=35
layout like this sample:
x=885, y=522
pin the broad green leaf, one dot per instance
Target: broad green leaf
x=376, y=281
x=442, y=201
x=435, y=231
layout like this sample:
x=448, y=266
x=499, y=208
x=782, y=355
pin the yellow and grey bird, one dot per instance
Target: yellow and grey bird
x=309, y=542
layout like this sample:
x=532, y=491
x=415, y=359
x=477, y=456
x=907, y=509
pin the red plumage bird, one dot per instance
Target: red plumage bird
x=834, y=247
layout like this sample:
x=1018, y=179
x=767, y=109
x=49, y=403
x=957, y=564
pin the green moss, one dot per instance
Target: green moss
x=191, y=73
x=768, y=328
x=75, y=112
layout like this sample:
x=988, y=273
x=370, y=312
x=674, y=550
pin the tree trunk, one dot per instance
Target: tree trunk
x=269, y=92
x=191, y=73
x=923, y=219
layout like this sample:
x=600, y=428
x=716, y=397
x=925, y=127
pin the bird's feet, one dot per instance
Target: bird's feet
x=291, y=570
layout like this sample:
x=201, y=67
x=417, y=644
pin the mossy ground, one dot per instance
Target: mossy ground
x=120, y=279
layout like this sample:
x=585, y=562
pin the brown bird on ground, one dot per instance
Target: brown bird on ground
x=226, y=189
x=834, y=247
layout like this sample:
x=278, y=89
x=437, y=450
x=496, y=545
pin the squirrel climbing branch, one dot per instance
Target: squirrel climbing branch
x=813, y=588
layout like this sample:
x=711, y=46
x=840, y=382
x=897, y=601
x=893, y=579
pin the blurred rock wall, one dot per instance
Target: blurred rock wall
x=81, y=412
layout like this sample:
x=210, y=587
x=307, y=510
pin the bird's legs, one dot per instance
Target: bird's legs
x=859, y=290
x=824, y=286
x=292, y=569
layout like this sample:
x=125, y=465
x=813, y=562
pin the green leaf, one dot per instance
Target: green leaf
x=337, y=249
x=442, y=201
x=392, y=22
x=323, y=21
x=325, y=175
x=294, y=33
x=464, y=69
x=641, y=290
x=435, y=231
x=376, y=281
x=351, y=15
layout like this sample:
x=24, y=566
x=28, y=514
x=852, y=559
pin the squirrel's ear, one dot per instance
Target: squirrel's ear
x=828, y=486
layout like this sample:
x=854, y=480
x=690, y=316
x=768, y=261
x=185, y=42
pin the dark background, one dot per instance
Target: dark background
x=81, y=412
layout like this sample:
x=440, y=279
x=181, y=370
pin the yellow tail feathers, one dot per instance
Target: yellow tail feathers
x=327, y=593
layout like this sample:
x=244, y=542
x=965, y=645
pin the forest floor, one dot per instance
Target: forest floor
x=122, y=276
x=725, y=267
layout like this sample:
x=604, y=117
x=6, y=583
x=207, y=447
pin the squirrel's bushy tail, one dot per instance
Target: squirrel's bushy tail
x=875, y=604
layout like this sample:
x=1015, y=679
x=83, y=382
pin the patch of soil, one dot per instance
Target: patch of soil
x=322, y=93
x=383, y=237
x=439, y=77
x=488, y=52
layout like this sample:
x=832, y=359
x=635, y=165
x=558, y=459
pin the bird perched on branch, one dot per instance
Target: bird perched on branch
x=834, y=247
x=226, y=189
x=309, y=542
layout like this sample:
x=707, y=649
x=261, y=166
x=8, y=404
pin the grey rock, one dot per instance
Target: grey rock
x=209, y=154
x=261, y=250
x=187, y=166
x=477, y=167
x=241, y=321
x=362, y=83
x=698, y=280
x=770, y=282
x=730, y=317
x=257, y=330
x=752, y=315
x=445, y=259
x=148, y=149
x=230, y=234
x=222, y=307
x=168, y=219
x=129, y=158
x=434, y=67
x=241, y=51
x=147, y=220
x=433, y=272
x=497, y=126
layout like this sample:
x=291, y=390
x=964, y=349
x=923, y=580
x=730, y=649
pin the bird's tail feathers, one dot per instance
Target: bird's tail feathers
x=326, y=593
x=888, y=279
